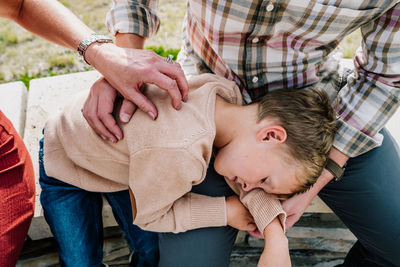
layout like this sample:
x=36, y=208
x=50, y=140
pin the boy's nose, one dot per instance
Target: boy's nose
x=247, y=186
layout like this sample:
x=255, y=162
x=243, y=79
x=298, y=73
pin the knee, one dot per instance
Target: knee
x=392, y=251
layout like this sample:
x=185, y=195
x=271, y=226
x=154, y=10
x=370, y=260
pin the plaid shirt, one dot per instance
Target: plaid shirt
x=268, y=45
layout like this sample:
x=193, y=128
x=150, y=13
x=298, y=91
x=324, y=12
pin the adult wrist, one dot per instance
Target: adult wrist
x=336, y=163
x=97, y=53
x=91, y=40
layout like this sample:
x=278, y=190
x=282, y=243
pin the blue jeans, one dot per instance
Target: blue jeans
x=75, y=219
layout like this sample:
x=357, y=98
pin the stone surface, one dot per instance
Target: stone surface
x=317, y=205
x=244, y=254
x=13, y=103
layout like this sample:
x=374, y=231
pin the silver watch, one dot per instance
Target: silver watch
x=93, y=38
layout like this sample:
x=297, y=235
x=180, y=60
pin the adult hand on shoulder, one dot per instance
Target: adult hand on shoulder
x=126, y=70
x=98, y=110
x=238, y=216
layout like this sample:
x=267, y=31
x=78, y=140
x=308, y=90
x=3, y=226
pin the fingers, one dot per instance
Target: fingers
x=174, y=71
x=251, y=226
x=256, y=233
x=127, y=110
x=143, y=103
x=98, y=108
x=131, y=68
x=290, y=221
x=106, y=118
x=167, y=84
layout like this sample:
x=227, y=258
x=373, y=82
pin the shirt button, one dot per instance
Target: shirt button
x=270, y=7
x=255, y=40
x=255, y=79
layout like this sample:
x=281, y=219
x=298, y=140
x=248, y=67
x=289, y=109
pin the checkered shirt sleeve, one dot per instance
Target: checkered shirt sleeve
x=137, y=16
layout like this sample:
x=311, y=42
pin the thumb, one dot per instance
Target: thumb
x=127, y=110
x=290, y=221
x=256, y=233
x=250, y=227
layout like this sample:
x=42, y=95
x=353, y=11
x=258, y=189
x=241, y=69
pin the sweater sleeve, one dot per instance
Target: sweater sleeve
x=161, y=180
x=264, y=207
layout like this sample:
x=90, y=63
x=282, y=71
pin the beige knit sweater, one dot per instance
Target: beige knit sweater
x=160, y=160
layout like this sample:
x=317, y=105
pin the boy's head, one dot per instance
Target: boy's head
x=290, y=143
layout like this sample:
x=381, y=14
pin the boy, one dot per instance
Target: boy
x=280, y=145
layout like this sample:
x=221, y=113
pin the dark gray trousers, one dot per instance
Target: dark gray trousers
x=204, y=247
x=367, y=200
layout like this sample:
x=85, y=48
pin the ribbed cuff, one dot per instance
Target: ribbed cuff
x=264, y=208
x=207, y=211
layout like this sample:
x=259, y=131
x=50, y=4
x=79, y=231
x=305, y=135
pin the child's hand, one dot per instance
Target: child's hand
x=256, y=233
x=238, y=216
x=276, y=250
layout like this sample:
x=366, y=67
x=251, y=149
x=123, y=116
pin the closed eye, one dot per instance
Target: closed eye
x=264, y=180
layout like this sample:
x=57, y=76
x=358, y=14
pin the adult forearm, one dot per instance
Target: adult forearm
x=124, y=40
x=129, y=40
x=50, y=20
x=296, y=205
x=326, y=176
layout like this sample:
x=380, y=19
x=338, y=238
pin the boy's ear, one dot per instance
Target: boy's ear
x=275, y=133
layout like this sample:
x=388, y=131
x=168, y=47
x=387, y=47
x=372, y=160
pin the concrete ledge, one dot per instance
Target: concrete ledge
x=13, y=103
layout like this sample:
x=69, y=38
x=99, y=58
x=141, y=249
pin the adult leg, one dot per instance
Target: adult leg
x=367, y=200
x=200, y=247
x=75, y=219
x=17, y=193
x=143, y=243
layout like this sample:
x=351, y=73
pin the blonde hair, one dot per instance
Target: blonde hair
x=310, y=124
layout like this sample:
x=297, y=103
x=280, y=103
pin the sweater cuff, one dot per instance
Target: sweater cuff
x=264, y=207
x=207, y=211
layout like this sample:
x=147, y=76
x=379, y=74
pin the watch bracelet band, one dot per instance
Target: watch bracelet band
x=335, y=169
x=87, y=41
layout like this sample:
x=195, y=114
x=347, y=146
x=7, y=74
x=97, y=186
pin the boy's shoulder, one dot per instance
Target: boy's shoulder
x=223, y=87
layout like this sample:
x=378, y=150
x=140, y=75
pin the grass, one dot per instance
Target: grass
x=61, y=61
x=24, y=56
x=8, y=38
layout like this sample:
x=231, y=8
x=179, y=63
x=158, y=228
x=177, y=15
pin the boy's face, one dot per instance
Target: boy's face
x=257, y=165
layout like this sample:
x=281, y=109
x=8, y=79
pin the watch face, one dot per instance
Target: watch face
x=91, y=39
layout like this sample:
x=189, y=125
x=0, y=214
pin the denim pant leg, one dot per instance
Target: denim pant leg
x=367, y=200
x=143, y=243
x=75, y=219
x=205, y=246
